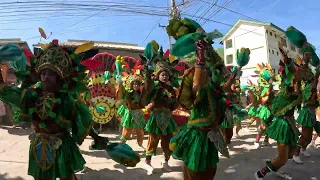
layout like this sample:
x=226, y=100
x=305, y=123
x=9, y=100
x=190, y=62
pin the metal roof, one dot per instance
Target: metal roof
x=100, y=44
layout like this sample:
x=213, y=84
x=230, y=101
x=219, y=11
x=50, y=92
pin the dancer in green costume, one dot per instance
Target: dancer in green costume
x=161, y=93
x=266, y=80
x=54, y=112
x=198, y=145
x=283, y=127
x=130, y=93
x=253, y=107
x=192, y=145
x=234, y=113
x=307, y=113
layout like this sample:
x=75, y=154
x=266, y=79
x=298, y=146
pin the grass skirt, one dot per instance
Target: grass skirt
x=68, y=161
x=264, y=113
x=195, y=149
x=281, y=131
x=154, y=123
x=131, y=119
x=253, y=111
x=305, y=118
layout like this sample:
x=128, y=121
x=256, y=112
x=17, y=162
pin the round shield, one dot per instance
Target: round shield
x=103, y=109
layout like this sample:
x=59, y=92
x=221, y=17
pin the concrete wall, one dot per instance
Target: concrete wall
x=263, y=44
x=273, y=37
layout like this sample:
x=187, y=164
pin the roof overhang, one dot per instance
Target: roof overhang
x=104, y=45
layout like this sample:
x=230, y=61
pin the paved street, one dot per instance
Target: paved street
x=244, y=162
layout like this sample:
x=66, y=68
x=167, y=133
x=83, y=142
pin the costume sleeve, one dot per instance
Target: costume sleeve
x=82, y=122
x=17, y=98
x=120, y=92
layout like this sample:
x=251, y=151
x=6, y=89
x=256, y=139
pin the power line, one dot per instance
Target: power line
x=226, y=3
x=226, y=24
x=233, y=11
x=154, y=27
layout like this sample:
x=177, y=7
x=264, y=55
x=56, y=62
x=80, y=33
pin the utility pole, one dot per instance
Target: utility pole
x=173, y=13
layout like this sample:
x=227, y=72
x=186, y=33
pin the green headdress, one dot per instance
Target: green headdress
x=65, y=61
x=298, y=39
x=265, y=73
x=243, y=56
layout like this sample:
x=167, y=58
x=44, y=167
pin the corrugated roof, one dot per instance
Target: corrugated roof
x=100, y=44
x=236, y=25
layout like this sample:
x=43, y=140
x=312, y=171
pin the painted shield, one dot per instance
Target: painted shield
x=102, y=109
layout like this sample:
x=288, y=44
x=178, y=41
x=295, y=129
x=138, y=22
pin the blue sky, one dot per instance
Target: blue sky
x=126, y=27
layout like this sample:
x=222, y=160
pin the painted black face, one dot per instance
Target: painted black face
x=48, y=80
x=135, y=85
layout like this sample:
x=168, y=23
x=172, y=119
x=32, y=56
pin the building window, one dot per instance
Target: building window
x=229, y=44
x=229, y=59
x=269, y=50
x=273, y=70
x=272, y=51
x=293, y=48
x=267, y=31
x=284, y=42
x=270, y=33
x=300, y=51
x=275, y=35
x=277, y=53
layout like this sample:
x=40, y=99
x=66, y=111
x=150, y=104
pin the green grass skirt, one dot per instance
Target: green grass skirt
x=195, y=149
x=131, y=119
x=153, y=127
x=305, y=117
x=264, y=113
x=68, y=161
x=253, y=111
x=281, y=131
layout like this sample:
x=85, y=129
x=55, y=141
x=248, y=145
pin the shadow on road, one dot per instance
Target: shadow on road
x=244, y=162
x=4, y=176
x=17, y=130
x=121, y=173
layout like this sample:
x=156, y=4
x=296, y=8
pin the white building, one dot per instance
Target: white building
x=262, y=40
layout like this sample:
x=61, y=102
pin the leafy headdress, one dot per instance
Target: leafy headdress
x=298, y=39
x=159, y=61
x=129, y=74
x=288, y=68
x=265, y=73
x=64, y=61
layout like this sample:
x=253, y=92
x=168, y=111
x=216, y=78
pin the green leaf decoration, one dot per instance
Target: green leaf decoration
x=53, y=115
x=315, y=59
x=243, y=56
x=148, y=52
x=266, y=75
x=214, y=35
x=42, y=124
x=10, y=52
x=194, y=23
x=186, y=44
x=295, y=37
x=100, y=109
